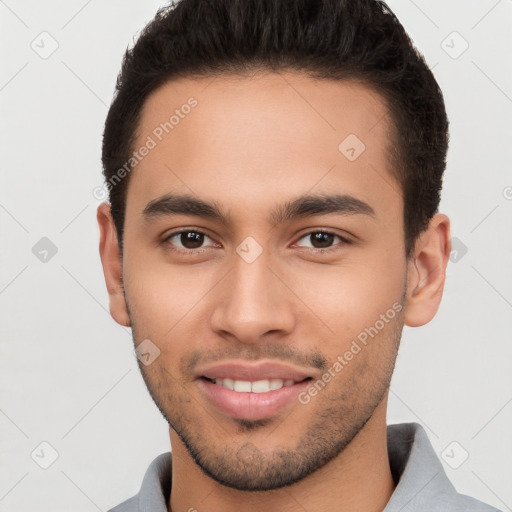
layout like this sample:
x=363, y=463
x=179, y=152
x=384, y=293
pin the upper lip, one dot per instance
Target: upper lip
x=238, y=370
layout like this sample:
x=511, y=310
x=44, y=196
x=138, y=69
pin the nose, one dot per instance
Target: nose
x=253, y=304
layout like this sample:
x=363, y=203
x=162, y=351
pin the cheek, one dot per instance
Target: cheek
x=352, y=296
x=161, y=297
x=166, y=299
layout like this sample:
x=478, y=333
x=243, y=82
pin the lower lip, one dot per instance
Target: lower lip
x=251, y=406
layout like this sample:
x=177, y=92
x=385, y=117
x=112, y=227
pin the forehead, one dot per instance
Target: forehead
x=252, y=141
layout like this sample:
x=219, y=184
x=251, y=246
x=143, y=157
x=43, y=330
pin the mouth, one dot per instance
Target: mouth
x=252, y=391
x=258, y=386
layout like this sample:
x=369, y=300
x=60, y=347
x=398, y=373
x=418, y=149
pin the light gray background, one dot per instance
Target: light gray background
x=68, y=375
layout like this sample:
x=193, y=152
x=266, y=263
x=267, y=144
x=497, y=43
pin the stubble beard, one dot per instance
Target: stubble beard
x=246, y=467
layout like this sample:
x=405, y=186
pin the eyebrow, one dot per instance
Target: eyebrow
x=303, y=206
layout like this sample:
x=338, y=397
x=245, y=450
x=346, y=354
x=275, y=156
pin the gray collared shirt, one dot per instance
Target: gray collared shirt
x=422, y=484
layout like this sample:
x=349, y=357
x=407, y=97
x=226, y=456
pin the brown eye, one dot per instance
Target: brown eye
x=191, y=239
x=320, y=240
x=188, y=239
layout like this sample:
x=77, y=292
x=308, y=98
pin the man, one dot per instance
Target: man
x=274, y=171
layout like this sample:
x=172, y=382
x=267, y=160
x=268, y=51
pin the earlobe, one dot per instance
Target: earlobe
x=427, y=272
x=112, y=265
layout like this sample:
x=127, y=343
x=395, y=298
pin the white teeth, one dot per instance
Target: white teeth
x=228, y=383
x=243, y=386
x=275, y=384
x=259, y=386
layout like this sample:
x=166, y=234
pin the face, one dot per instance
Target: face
x=264, y=259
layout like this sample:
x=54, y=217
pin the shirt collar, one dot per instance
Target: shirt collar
x=418, y=473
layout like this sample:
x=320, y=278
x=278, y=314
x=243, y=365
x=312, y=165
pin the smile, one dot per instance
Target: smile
x=259, y=386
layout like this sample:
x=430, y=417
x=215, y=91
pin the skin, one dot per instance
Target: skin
x=251, y=144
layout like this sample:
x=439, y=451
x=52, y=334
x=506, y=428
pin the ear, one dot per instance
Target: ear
x=427, y=271
x=112, y=265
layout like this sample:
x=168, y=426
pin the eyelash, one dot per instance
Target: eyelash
x=315, y=250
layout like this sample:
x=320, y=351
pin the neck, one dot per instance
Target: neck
x=359, y=478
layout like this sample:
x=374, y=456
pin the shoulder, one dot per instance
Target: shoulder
x=421, y=482
x=155, y=489
x=131, y=505
x=460, y=502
